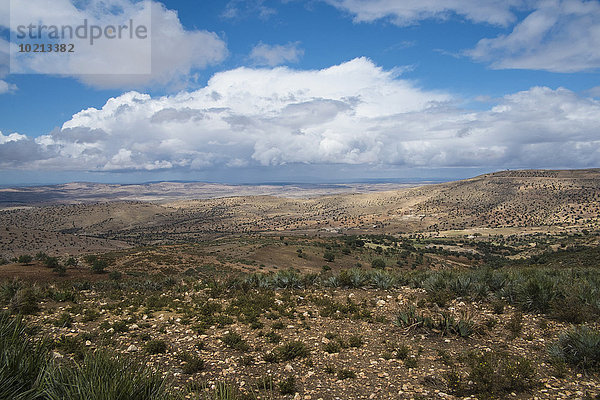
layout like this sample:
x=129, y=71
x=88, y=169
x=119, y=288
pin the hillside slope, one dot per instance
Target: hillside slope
x=507, y=199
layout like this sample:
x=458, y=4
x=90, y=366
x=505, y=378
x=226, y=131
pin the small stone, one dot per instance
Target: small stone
x=88, y=343
x=56, y=354
x=132, y=348
x=289, y=368
x=380, y=303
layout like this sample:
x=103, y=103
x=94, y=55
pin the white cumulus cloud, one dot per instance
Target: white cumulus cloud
x=354, y=113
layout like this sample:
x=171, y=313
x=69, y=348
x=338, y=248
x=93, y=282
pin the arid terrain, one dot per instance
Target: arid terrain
x=481, y=288
x=501, y=203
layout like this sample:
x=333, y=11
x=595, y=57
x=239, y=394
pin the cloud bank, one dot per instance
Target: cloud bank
x=355, y=113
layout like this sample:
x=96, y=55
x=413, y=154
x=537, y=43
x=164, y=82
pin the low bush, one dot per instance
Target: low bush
x=292, y=350
x=346, y=374
x=493, y=374
x=193, y=363
x=235, y=341
x=155, y=346
x=287, y=386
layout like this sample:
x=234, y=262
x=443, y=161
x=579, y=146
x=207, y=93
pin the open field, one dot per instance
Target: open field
x=483, y=288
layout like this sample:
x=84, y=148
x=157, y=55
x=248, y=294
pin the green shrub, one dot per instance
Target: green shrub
x=537, y=294
x=498, y=307
x=332, y=346
x=71, y=262
x=25, y=259
x=355, y=341
x=278, y=324
x=493, y=374
x=346, y=374
x=193, y=363
x=410, y=362
x=51, y=262
x=99, y=266
x=120, y=326
x=328, y=256
x=402, y=352
x=71, y=345
x=235, y=341
x=60, y=270
x=224, y=391
x=273, y=337
x=579, y=347
x=156, y=346
x=90, y=259
x=62, y=295
x=270, y=357
x=515, y=324
x=378, y=263
x=65, y=320
x=25, y=301
x=90, y=315
x=292, y=350
x=115, y=276
x=287, y=386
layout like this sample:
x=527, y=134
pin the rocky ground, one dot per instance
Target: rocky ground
x=351, y=347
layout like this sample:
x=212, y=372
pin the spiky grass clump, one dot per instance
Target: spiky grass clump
x=579, y=347
x=26, y=372
x=22, y=363
x=101, y=376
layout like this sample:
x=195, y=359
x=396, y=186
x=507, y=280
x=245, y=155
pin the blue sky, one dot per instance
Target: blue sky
x=257, y=91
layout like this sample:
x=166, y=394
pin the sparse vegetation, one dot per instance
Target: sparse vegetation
x=461, y=310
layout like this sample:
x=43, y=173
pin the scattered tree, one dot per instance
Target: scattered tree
x=378, y=263
x=25, y=259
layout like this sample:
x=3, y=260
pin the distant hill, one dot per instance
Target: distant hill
x=508, y=199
